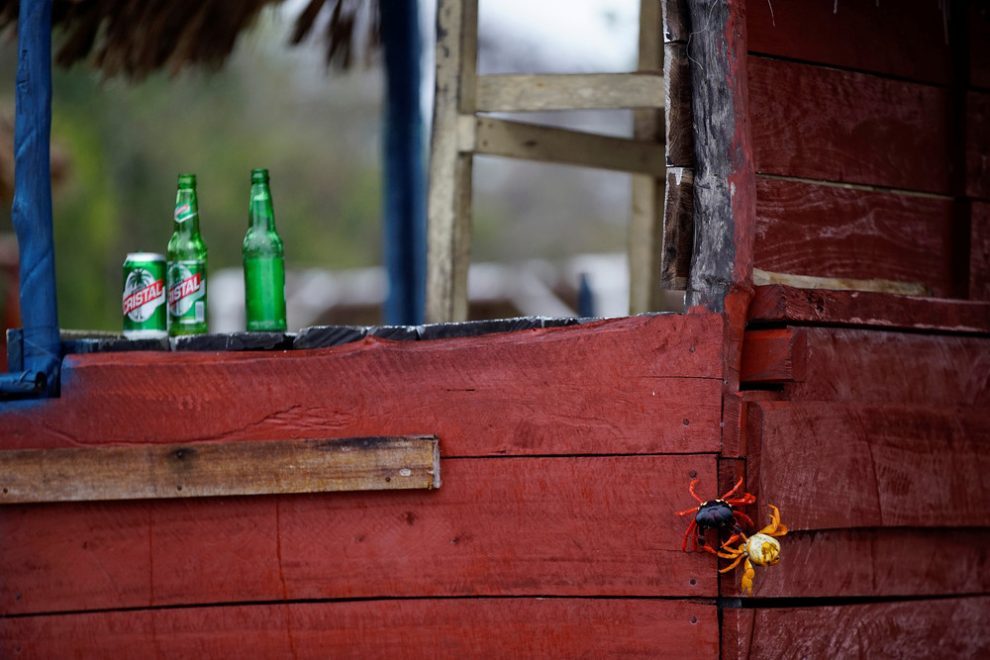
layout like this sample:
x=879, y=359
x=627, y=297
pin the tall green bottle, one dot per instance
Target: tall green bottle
x=264, y=261
x=186, y=274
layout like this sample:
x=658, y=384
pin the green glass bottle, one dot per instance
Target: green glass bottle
x=186, y=273
x=264, y=261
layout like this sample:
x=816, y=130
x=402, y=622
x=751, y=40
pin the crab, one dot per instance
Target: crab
x=762, y=549
x=719, y=514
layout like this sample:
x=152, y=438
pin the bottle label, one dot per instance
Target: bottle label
x=187, y=292
x=184, y=213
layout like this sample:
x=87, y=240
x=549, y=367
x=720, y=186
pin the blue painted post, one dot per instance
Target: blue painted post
x=405, y=176
x=32, y=208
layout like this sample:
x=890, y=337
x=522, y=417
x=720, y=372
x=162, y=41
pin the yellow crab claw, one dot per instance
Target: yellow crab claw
x=747, y=578
x=775, y=528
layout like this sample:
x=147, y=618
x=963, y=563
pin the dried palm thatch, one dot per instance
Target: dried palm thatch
x=133, y=38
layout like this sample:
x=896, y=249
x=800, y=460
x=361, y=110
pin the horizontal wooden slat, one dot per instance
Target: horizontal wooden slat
x=866, y=366
x=949, y=628
x=777, y=303
x=532, y=392
x=819, y=123
x=904, y=39
x=979, y=245
x=774, y=356
x=527, y=628
x=875, y=562
x=842, y=466
x=497, y=527
x=763, y=278
x=498, y=137
x=585, y=91
x=202, y=469
x=830, y=231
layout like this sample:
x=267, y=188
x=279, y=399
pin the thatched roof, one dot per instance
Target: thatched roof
x=136, y=37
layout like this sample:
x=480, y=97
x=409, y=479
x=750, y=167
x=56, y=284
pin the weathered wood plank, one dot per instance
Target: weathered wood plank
x=512, y=139
x=866, y=366
x=819, y=123
x=675, y=21
x=678, y=115
x=497, y=527
x=538, y=391
x=725, y=188
x=774, y=356
x=978, y=145
x=843, y=232
x=979, y=256
x=646, y=224
x=202, y=469
x=577, y=91
x=449, y=199
x=875, y=562
x=905, y=39
x=530, y=627
x=950, y=628
x=763, y=278
x=777, y=303
x=852, y=466
x=678, y=228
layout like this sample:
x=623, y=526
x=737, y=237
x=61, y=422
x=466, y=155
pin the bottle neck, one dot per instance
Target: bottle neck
x=261, y=213
x=186, y=218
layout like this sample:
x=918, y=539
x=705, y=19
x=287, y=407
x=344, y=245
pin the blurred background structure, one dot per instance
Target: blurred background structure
x=121, y=140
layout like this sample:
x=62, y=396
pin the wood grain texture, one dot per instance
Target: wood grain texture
x=979, y=256
x=724, y=190
x=866, y=366
x=978, y=145
x=763, y=278
x=829, y=231
x=776, y=303
x=818, y=123
x=875, y=562
x=949, y=628
x=678, y=115
x=774, y=356
x=528, y=628
x=641, y=384
x=513, y=139
x=202, y=469
x=497, y=527
x=676, y=27
x=904, y=39
x=576, y=91
x=678, y=228
x=855, y=466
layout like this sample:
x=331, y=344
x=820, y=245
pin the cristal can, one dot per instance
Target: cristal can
x=143, y=301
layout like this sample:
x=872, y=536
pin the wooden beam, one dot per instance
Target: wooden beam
x=774, y=356
x=449, y=202
x=536, y=93
x=646, y=224
x=498, y=137
x=205, y=469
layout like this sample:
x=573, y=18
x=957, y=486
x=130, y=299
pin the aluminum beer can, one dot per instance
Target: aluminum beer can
x=143, y=301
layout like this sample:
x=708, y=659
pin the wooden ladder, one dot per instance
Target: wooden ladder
x=461, y=130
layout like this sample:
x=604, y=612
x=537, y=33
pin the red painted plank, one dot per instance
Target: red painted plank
x=642, y=384
x=861, y=366
x=979, y=256
x=774, y=356
x=875, y=562
x=842, y=466
x=950, y=628
x=827, y=231
x=905, y=39
x=474, y=628
x=776, y=304
x=521, y=526
x=978, y=144
x=819, y=123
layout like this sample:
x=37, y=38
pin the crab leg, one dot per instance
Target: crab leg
x=744, y=499
x=687, y=533
x=694, y=482
x=742, y=517
x=734, y=489
x=775, y=528
x=693, y=509
x=733, y=564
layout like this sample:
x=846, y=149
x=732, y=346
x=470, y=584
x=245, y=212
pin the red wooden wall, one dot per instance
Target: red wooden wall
x=871, y=136
x=565, y=453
